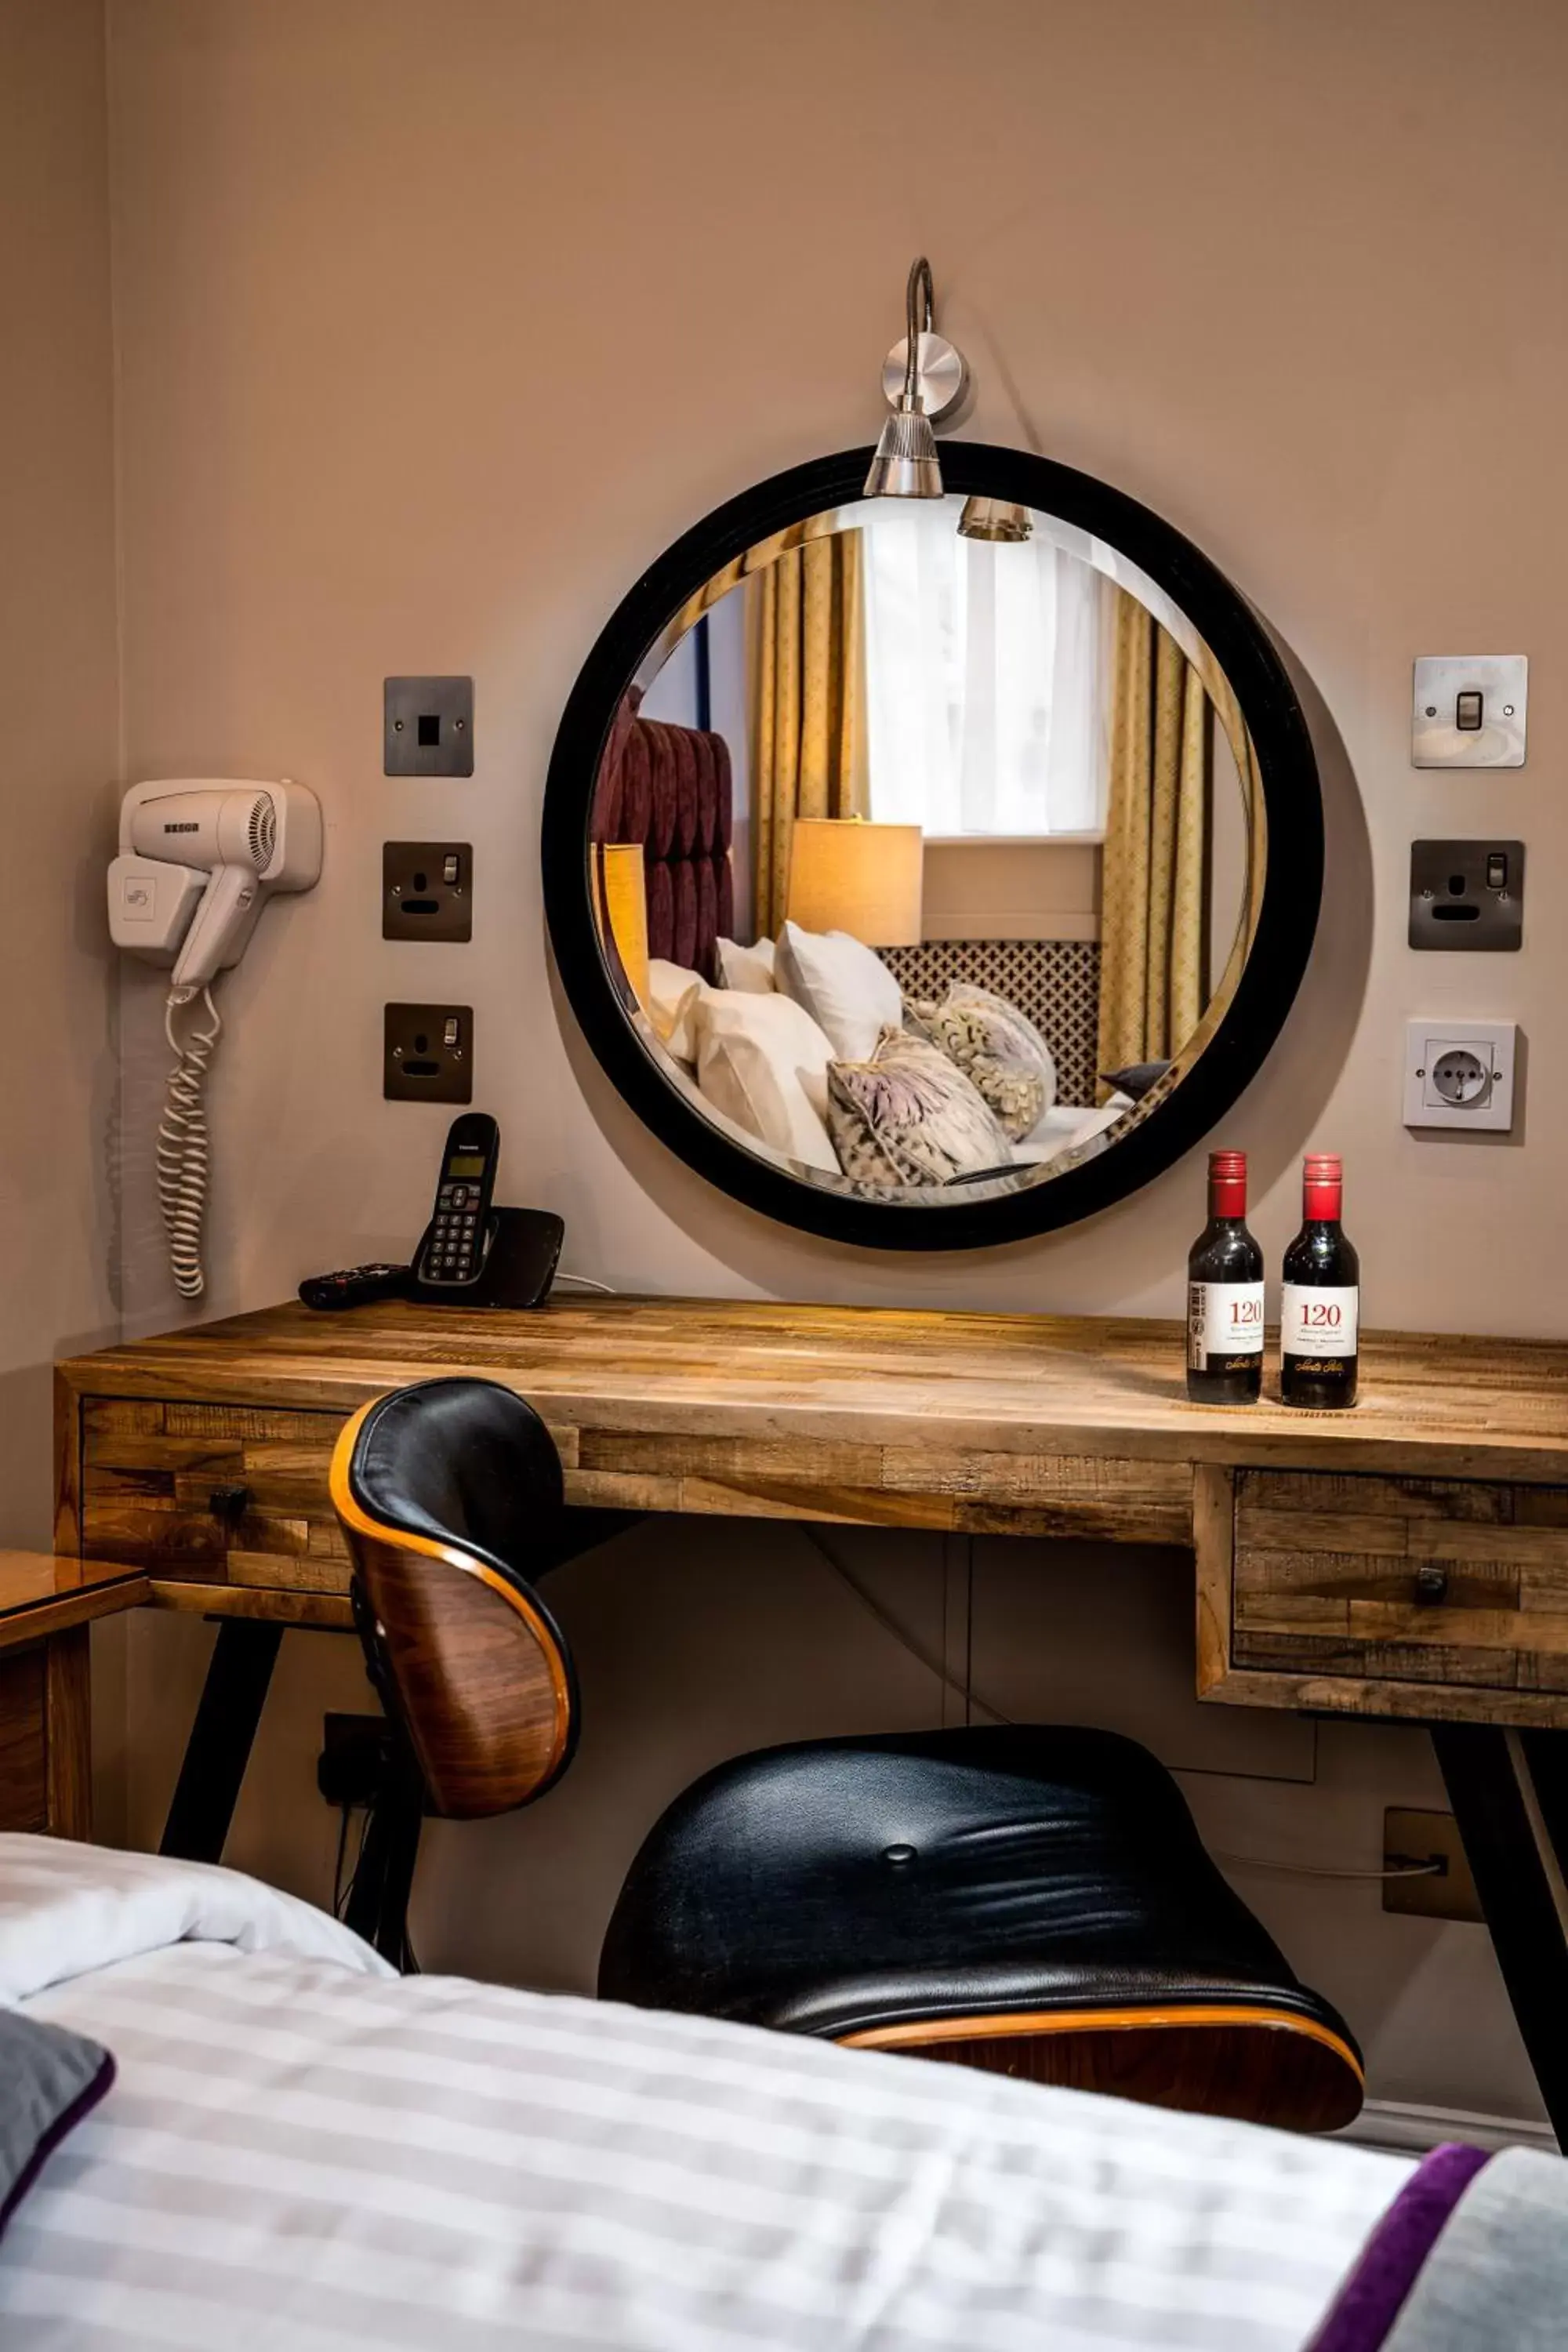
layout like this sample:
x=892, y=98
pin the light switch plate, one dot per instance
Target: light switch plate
x=1496, y=739
x=428, y=726
x=1459, y=1073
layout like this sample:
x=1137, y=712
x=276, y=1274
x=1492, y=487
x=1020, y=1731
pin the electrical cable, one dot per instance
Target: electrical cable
x=1315, y=1870
x=183, y=1147
x=586, y=1282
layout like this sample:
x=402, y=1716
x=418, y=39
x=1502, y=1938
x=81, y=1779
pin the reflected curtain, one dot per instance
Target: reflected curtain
x=808, y=701
x=1154, y=882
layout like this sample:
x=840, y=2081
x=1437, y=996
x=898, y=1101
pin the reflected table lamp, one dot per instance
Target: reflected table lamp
x=621, y=907
x=849, y=875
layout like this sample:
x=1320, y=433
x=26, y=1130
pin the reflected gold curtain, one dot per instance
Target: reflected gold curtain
x=808, y=701
x=1154, y=893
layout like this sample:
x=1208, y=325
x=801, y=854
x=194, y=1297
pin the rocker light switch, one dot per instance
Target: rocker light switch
x=428, y=726
x=1469, y=710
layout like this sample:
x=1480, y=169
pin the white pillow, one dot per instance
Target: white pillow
x=672, y=998
x=747, y=968
x=846, y=987
x=762, y=1061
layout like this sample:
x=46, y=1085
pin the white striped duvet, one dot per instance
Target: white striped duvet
x=302, y=2152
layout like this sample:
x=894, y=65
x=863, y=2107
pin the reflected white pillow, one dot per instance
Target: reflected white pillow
x=747, y=968
x=673, y=997
x=762, y=1061
x=843, y=986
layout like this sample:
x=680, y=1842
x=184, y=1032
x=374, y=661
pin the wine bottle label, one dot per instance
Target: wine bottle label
x=1224, y=1319
x=1319, y=1322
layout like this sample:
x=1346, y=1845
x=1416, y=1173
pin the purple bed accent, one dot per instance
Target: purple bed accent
x=670, y=789
x=1373, y=2296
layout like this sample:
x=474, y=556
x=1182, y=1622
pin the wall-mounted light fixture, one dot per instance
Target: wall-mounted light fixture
x=923, y=377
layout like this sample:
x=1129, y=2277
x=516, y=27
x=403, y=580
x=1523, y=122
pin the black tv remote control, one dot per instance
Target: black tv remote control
x=355, y=1286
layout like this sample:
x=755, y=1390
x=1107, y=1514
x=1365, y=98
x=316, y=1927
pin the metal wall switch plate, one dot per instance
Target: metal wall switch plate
x=1467, y=895
x=1469, y=710
x=428, y=726
x=426, y=890
x=428, y=1053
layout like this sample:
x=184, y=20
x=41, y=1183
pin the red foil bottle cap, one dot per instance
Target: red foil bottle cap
x=1227, y=1184
x=1322, y=1184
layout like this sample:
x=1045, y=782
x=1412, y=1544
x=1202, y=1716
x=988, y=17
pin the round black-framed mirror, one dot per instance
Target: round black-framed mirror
x=934, y=1202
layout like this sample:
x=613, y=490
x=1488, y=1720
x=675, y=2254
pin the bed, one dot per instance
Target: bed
x=301, y=2149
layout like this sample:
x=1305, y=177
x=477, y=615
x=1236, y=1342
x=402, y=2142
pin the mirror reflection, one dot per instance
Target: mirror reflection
x=925, y=848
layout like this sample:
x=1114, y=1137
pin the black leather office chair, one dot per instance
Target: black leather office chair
x=1031, y=1900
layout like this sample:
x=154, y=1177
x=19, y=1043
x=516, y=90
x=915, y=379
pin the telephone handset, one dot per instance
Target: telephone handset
x=473, y=1254
x=459, y=1237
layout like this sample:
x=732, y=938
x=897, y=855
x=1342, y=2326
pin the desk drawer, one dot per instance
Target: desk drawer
x=151, y=1474
x=1401, y=1579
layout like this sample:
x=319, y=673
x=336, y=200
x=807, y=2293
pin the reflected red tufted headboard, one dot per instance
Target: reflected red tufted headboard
x=670, y=788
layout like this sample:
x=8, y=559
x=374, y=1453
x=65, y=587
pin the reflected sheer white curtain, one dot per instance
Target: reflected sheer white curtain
x=984, y=665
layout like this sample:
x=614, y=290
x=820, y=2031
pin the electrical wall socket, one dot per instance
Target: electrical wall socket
x=1412, y=1838
x=1459, y=1073
x=428, y=1053
x=426, y=890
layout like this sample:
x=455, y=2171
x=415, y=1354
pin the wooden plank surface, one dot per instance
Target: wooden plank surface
x=945, y=1383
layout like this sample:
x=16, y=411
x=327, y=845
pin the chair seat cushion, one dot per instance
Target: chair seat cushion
x=849, y=1884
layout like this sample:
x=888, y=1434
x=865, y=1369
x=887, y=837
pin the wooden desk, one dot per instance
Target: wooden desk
x=1408, y=1559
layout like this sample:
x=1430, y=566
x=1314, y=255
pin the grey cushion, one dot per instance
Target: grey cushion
x=49, y=2080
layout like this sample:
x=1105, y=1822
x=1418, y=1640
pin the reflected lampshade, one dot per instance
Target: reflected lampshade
x=867, y=879
x=621, y=904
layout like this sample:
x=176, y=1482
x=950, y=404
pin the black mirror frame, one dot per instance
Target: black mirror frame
x=1288, y=916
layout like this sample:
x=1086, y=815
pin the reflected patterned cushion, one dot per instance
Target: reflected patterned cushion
x=997, y=1048
x=909, y=1116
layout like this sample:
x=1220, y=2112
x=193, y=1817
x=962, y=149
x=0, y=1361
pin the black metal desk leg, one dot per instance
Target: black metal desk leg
x=1501, y=1847
x=219, y=1748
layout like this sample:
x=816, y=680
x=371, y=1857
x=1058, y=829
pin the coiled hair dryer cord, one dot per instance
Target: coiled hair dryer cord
x=182, y=1148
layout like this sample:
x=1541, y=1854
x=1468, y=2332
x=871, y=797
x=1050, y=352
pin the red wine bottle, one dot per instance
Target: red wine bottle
x=1225, y=1294
x=1320, y=1311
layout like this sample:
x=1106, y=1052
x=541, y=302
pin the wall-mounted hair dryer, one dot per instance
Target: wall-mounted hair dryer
x=198, y=860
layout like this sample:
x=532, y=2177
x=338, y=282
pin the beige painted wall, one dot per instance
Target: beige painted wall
x=57, y=733
x=437, y=322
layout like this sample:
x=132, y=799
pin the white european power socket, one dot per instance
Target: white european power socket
x=1459, y=1073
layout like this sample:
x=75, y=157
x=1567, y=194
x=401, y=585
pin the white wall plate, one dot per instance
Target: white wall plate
x=1469, y=710
x=1459, y=1073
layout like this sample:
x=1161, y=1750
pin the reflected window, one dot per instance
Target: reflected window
x=985, y=664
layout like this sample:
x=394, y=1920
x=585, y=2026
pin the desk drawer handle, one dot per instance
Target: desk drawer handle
x=1431, y=1586
x=229, y=1503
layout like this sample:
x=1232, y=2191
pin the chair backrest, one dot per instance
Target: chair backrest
x=448, y=1492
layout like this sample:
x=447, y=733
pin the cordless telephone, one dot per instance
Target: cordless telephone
x=459, y=1236
x=471, y=1254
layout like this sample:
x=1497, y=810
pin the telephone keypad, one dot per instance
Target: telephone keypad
x=454, y=1234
